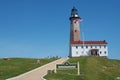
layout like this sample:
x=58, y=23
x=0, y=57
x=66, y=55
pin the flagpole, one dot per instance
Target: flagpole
x=83, y=43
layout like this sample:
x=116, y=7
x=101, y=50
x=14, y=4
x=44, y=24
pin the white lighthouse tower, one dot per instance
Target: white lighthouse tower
x=79, y=47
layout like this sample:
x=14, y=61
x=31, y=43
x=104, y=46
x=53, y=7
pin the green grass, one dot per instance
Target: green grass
x=16, y=66
x=93, y=68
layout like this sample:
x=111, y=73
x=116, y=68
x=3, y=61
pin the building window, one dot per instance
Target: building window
x=81, y=46
x=105, y=46
x=76, y=47
x=86, y=46
x=100, y=52
x=82, y=52
x=76, y=52
x=91, y=46
x=95, y=46
x=105, y=52
x=100, y=46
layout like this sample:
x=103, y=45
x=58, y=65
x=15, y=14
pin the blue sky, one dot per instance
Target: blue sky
x=40, y=28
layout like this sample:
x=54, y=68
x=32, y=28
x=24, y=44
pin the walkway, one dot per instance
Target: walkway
x=39, y=73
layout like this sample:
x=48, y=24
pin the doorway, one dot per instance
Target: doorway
x=94, y=52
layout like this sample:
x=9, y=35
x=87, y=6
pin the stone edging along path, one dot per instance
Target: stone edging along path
x=39, y=73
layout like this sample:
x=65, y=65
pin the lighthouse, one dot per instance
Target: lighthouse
x=74, y=26
x=78, y=47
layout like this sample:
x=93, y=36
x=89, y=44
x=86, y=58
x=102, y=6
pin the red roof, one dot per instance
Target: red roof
x=88, y=42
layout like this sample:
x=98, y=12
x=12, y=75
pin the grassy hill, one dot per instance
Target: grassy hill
x=16, y=66
x=92, y=68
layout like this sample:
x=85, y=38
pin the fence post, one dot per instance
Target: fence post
x=78, y=68
x=55, y=70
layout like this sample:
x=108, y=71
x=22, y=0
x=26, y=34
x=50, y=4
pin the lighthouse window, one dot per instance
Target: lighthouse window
x=75, y=30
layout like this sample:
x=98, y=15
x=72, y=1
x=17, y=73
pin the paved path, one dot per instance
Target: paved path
x=39, y=73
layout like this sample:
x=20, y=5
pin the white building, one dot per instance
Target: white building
x=79, y=47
